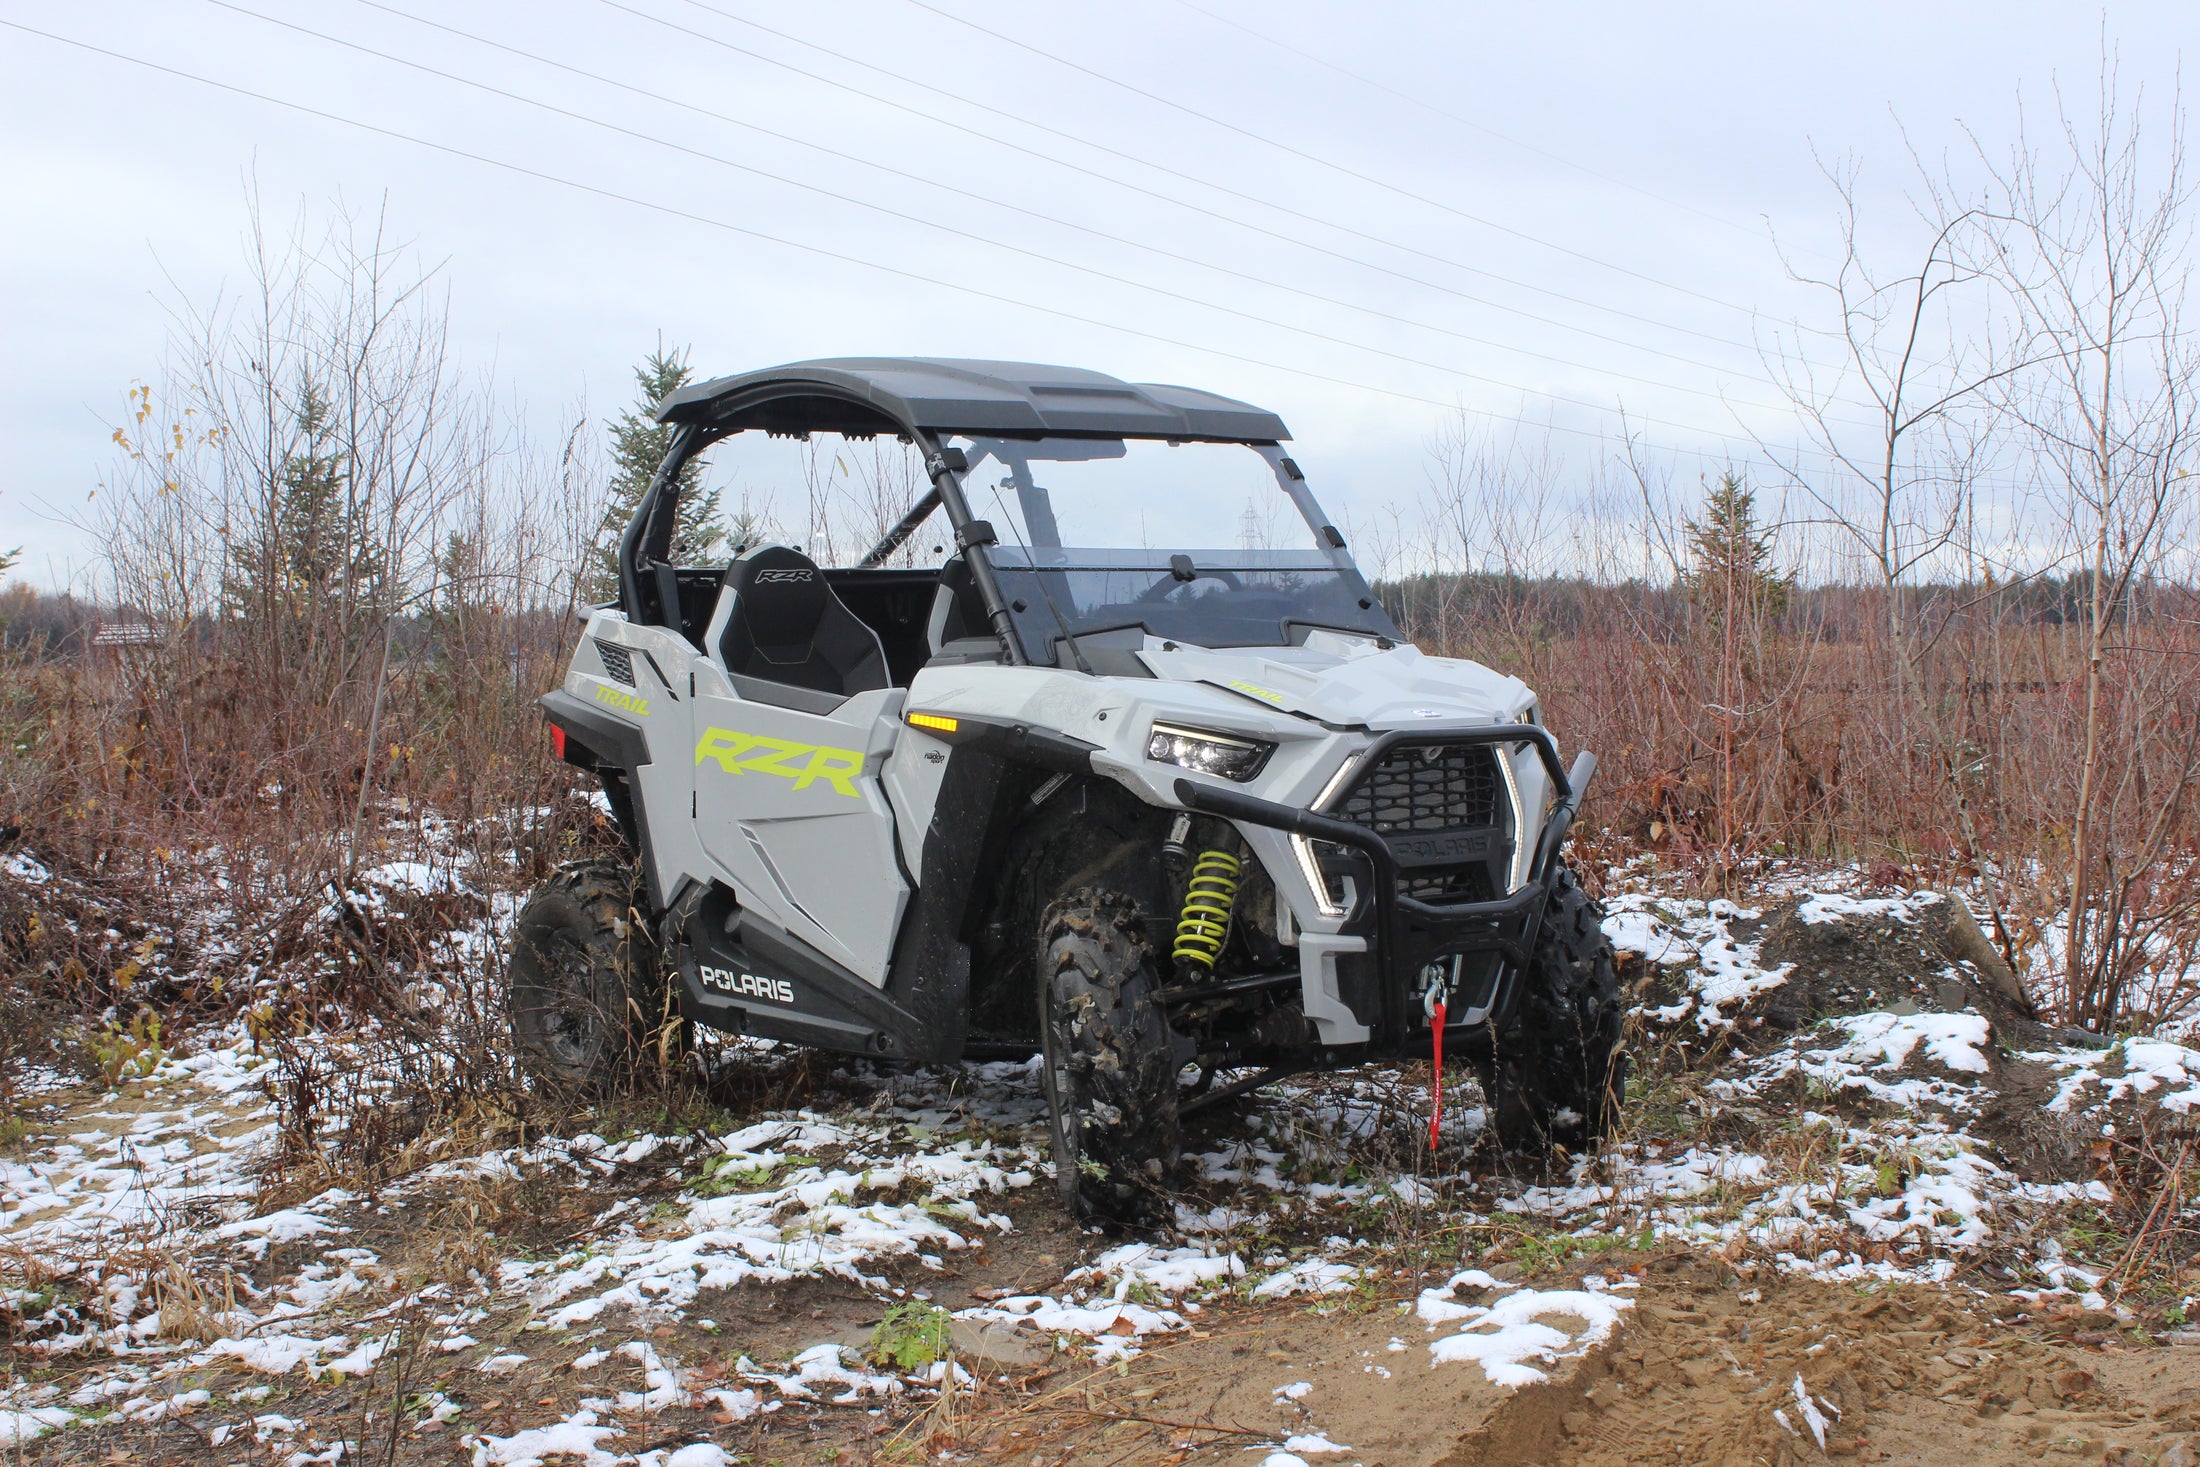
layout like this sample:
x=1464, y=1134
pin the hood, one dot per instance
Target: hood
x=1349, y=681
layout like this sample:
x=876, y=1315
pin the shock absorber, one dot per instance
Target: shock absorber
x=1204, y=924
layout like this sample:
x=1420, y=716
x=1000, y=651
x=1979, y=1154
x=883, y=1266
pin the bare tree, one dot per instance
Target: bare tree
x=2089, y=237
x=309, y=480
x=1899, y=486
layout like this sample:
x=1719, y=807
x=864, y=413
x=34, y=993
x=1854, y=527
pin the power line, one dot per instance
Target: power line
x=1467, y=122
x=672, y=211
x=986, y=240
x=1143, y=162
x=1315, y=158
x=963, y=234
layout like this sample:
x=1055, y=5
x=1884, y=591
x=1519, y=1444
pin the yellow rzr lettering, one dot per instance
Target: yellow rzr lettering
x=805, y=764
x=624, y=701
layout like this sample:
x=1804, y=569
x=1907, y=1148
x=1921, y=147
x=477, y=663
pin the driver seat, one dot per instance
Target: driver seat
x=786, y=626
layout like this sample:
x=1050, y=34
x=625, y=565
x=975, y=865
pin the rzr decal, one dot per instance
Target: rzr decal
x=805, y=764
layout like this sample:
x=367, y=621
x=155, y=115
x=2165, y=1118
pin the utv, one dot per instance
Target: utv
x=1089, y=787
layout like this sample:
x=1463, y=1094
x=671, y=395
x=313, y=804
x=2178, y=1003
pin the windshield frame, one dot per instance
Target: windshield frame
x=1017, y=455
x=648, y=587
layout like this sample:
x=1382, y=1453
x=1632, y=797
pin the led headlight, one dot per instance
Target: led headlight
x=1207, y=753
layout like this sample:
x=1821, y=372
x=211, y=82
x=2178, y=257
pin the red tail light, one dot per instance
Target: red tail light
x=557, y=740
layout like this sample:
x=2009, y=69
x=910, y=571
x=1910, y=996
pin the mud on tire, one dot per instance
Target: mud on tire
x=1557, y=1074
x=1109, y=1062
x=583, y=986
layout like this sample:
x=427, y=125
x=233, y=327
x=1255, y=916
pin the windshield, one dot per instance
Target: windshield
x=1209, y=598
x=1217, y=545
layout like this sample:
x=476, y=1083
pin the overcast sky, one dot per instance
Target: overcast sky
x=1589, y=226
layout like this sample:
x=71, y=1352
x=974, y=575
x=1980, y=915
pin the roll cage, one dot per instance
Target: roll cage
x=923, y=401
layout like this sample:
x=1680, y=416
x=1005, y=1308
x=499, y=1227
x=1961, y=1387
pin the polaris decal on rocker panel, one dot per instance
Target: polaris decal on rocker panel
x=725, y=980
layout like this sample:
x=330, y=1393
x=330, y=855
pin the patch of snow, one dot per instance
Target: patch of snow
x=2147, y=1065
x=1515, y=1332
x=823, y=1368
x=1812, y=1416
x=576, y=1436
x=1313, y=1276
x=1831, y=906
x=20, y=1427
x=1953, y=1041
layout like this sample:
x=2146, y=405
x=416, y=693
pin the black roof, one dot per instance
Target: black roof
x=985, y=399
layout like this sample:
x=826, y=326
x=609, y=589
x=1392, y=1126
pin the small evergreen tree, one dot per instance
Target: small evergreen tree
x=1730, y=555
x=638, y=445
x=312, y=552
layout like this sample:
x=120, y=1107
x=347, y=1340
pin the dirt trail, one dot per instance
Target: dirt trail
x=1903, y=1376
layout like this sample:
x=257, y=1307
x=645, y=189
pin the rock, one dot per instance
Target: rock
x=990, y=1340
x=1964, y=940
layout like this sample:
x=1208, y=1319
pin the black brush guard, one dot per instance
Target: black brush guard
x=1405, y=935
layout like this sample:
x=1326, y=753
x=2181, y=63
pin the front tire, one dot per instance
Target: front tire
x=584, y=990
x=1556, y=1076
x=1109, y=1060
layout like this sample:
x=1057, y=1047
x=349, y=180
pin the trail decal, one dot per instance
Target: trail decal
x=621, y=699
x=805, y=764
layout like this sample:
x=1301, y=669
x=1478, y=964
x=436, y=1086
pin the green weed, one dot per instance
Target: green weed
x=127, y=1054
x=913, y=1334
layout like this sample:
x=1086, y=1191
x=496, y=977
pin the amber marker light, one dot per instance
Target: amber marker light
x=937, y=722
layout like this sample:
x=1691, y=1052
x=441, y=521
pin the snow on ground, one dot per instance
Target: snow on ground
x=1862, y=1162
x=1503, y=1335
x=1718, y=971
x=2129, y=1067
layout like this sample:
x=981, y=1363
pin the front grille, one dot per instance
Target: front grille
x=1427, y=788
x=616, y=660
x=1443, y=885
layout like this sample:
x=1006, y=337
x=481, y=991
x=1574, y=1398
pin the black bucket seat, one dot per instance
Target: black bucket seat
x=788, y=627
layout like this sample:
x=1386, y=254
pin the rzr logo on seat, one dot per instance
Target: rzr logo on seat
x=767, y=577
x=725, y=980
x=805, y=764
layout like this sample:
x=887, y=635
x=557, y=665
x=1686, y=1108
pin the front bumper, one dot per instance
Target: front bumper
x=1401, y=936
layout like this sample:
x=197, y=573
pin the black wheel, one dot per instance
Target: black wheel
x=1557, y=1074
x=584, y=993
x=1110, y=1061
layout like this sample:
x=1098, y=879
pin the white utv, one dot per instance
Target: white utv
x=1131, y=779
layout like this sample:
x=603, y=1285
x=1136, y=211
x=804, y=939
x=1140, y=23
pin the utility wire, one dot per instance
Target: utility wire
x=948, y=229
x=671, y=211
x=1467, y=122
x=1346, y=170
x=988, y=240
x=1144, y=162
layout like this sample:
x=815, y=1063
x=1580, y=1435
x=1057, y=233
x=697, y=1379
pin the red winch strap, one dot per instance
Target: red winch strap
x=1436, y=1039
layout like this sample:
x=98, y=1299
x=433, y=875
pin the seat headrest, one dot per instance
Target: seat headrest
x=782, y=595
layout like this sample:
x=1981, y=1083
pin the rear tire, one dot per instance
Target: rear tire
x=1109, y=1060
x=584, y=990
x=1557, y=1074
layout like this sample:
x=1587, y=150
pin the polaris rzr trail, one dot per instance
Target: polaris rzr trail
x=1137, y=775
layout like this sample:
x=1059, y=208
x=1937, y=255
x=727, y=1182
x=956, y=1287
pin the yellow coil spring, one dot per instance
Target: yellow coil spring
x=1208, y=897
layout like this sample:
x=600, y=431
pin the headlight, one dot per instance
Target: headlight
x=1207, y=753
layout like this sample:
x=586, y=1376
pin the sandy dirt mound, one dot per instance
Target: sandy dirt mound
x=1716, y=1368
